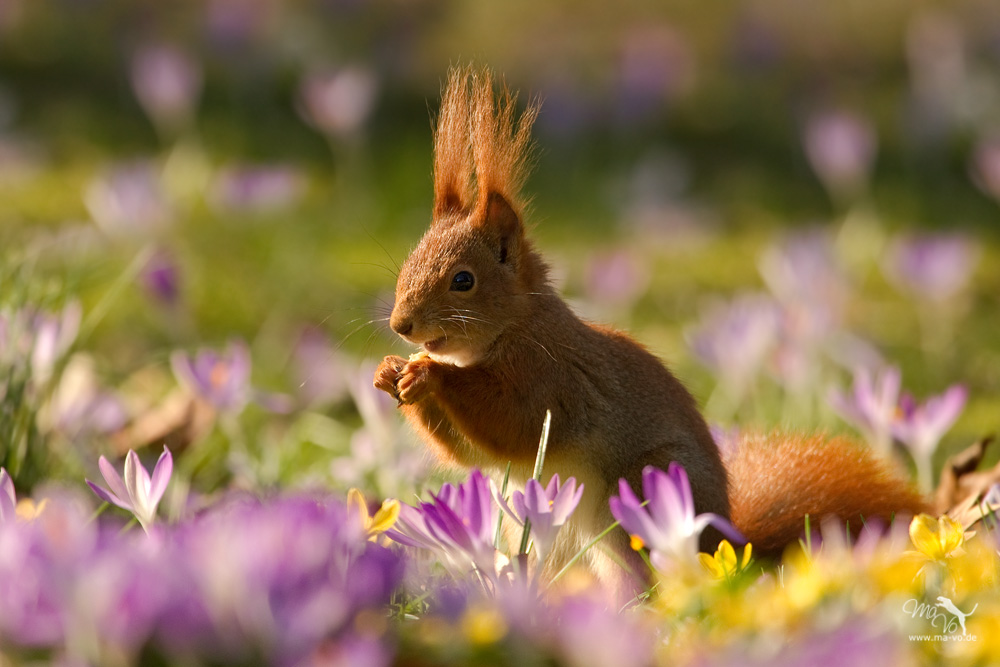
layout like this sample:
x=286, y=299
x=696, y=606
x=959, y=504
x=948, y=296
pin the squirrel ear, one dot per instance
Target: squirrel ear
x=501, y=219
x=499, y=215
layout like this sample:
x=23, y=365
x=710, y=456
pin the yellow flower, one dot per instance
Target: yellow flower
x=483, y=625
x=724, y=565
x=383, y=519
x=28, y=509
x=937, y=539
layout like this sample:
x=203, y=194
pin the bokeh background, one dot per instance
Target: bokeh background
x=770, y=195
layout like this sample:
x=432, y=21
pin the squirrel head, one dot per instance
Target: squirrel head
x=474, y=271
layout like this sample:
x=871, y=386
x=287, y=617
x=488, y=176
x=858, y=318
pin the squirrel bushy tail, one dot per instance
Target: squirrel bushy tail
x=776, y=479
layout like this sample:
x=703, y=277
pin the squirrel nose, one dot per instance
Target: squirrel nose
x=401, y=326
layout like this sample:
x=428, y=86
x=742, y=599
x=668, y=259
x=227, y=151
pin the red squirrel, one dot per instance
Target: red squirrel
x=499, y=347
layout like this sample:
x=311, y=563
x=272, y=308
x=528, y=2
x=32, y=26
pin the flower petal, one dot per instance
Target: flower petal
x=566, y=501
x=711, y=565
x=727, y=556
x=720, y=523
x=504, y=506
x=634, y=519
x=520, y=507
x=161, y=476
x=114, y=481
x=553, y=486
x=7, y=497
x=535, y=500
x=137, y=483
x=386, y=516
x=924, y=535
x=357, y=506
x=108, y=497
x=950, y=534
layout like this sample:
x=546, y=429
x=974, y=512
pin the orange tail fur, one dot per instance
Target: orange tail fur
x=775, y=480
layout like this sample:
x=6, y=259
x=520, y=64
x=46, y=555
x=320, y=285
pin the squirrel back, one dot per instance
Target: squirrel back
x=498, y=347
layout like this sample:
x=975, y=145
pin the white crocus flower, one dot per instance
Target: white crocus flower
x=138, y=492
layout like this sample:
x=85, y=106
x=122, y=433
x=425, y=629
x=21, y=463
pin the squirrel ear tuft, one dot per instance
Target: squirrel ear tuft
x=453, y=163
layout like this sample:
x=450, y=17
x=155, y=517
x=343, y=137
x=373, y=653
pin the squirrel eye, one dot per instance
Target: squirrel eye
x=462, y=282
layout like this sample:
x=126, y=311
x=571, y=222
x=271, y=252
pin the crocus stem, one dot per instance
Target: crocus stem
x=123, y=281
x=503, y=493
x=543, y=444
x=98, y=512
x=128, y=526
x=925, y=473
x=524, y=537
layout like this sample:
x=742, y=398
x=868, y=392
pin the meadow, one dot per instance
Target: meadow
x=202, y=211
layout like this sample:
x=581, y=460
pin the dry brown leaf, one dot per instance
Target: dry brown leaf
x=177, y=421
x=962, y=487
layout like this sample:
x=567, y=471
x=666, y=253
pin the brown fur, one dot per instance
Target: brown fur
x=453, y=190
x=507, y=350
x=776, y=479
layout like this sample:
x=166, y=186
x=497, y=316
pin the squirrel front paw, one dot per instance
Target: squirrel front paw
x=387, y=375
x=416, y=381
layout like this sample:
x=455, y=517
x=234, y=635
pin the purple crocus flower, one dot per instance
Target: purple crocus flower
x=617, y=278
x=138, y=493
x=656, y=66
x=166, y=82
x=337, y=103
x=590, y=634
x=804, y=275
x=921, y=426
x=8, y=500
x=234, y=25
x=802, y=271
x=242, y=582
x=380, y=457
x=280, y=578
x=128, y=201
x=160, y=277
x=129, y=589
x=871, y=406
x=546, y=508
x=51, y=335
x=39, y=562
x=459, y=523
x=727, y=439
x=319, y=371
x=734, y=339
x=986, y=166
x=932, y=267
x=257, y=189
x=841, y=147
x=78, y=405
x=221, y=379
x=667, y=524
